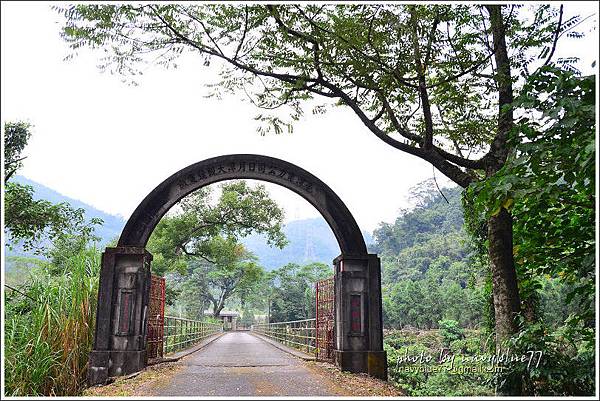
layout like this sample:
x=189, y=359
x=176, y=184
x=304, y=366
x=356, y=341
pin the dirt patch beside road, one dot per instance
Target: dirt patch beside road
x=136, y=385
x=353, y=384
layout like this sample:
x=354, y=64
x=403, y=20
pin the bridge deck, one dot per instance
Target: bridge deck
x=240, y=364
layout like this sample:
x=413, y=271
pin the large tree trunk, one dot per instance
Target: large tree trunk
x=218, y=307
x=220, y=303
x=504, y=275
x=507, y=302
x=505, y=290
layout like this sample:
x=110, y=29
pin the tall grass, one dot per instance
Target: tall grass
x=49, y=327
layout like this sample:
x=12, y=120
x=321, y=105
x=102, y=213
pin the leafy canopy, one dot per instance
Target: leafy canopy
x=291, y=290
x=199, y=243
x=16, y=136
x=239, y=211
x=423, y=78
x=548, y=184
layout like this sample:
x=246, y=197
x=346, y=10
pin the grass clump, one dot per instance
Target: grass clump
x=49, y=326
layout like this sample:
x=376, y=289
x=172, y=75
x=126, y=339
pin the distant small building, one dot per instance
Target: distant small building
x=229, y=318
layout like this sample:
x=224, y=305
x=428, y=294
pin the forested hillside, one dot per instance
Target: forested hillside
x=429, y=269
x=437, y=293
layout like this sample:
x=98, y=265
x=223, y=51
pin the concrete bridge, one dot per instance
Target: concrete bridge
x=239, y=363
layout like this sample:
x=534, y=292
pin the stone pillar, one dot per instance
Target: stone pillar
x=123, y=293
x=358, y=315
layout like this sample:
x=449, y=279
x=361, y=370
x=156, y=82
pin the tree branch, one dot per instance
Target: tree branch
x=463, y=71
x=438, y=187
x=198, y=255
x=428, y=139
x=19, y=292
x=366, y=56
x=434, y=155
x=243, y=34
x=556, y=35
x=436, y=21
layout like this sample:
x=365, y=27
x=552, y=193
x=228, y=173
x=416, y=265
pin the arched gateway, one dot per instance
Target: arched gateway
x=120, y=337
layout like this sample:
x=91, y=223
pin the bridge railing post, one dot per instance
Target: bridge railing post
x=188, y=333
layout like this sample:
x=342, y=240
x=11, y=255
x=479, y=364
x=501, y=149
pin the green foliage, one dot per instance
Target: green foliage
x=431, y=217
x=290, y=290
x=422, y=377
x=567, y=366
x=247, y=317
x=429, y=269
x=232, y=272
x=555, y=302
x=16, y=135
x=450, y=331
x=17, y=268
x=49, y=327
x=239, y=211
x=32, y=221
x=108, y=232
x=548, y=184
x=198, y=247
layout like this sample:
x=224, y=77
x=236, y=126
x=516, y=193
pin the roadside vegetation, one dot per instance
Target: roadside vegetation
x=50, y=300
x=442, y=374
x=49, y=324
x=505, y=262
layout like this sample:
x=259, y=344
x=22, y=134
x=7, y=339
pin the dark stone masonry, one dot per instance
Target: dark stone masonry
x=120, y=337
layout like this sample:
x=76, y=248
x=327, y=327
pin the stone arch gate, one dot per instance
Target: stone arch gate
x=121, y=321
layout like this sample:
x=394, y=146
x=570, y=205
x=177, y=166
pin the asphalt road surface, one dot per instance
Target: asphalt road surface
x=239, y=364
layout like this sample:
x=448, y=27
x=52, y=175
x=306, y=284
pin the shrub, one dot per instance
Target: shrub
x=567, y=365
x=450, y=331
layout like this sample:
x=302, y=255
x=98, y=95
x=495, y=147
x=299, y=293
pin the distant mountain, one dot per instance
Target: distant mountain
x=112, y=226
x=310, y=240
x=109, y=231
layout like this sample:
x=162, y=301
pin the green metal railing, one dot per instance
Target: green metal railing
x=299, y=334
x=182, y=333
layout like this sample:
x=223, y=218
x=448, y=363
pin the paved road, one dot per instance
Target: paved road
x=239, y=364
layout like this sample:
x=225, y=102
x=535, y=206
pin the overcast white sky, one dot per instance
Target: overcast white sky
x=109, y=144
